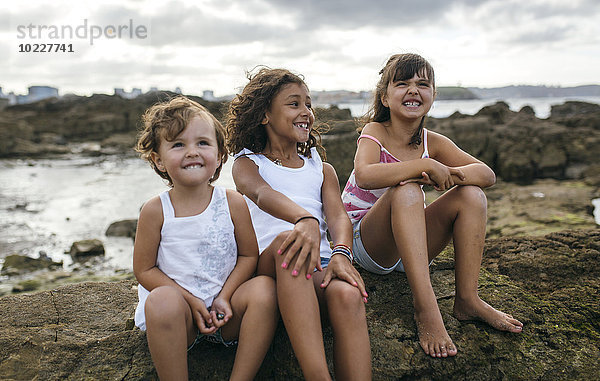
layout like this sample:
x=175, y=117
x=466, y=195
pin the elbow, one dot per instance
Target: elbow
x=362, y=181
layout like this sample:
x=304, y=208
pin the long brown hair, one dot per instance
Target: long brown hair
x=248, y=109
x=399, y=67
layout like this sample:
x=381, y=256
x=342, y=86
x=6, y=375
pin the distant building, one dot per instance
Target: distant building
x=177, y=90
x=135, y=92
x=34, y=94
x=37, y=93
x=208, y=95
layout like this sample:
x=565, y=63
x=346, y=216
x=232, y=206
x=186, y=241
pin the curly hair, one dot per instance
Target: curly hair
x=167, y=120
x=399, y=67
x=248, y=109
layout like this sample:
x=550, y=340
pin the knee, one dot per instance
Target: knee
x=281, y=237
x=263, y=294
x=343, y=297
x=408, y=194
x=473, y=196
x=164, y=304
x=271, y=250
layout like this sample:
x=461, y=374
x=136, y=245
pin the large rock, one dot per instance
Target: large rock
x=86, y=248
x=521, y=148
x=123, y=228
x=84, y=331
x=18, y=264
x=24, y=128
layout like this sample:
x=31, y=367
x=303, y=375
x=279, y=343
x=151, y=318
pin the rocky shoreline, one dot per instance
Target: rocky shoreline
x=85, y=331
x=56, y=324
x=550, y=164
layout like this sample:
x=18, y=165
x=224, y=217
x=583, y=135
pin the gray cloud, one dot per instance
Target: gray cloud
x=551, y=34
x=353, y=14
x=185, y=25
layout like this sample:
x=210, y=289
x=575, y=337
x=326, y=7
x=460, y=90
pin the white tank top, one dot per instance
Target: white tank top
x=301, y=185
x=198, y=252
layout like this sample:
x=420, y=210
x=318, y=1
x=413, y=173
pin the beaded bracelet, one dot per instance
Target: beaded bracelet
x=341, y=252
x=344, y=250
x=305, y=217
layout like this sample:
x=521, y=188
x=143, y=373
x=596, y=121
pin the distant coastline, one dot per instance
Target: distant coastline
x=338, y=97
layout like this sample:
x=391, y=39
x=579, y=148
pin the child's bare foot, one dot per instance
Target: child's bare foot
x=433, y=336
x=480, y=310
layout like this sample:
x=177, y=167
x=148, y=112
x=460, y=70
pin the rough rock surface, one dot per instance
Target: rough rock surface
x=516, y=145
x=520, y=147
x=86, y=248
x=123, y=228
x=551, y=283
x=17, y=264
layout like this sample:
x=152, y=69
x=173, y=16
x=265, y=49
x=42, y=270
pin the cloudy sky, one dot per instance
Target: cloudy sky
x=335, y=44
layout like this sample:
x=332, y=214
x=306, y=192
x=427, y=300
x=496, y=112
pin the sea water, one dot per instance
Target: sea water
x=46, y=205
x=445, y=108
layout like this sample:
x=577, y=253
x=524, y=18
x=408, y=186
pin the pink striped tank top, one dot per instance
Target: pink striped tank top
x=358, y=201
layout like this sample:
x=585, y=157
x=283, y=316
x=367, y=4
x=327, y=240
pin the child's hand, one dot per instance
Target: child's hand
x=305, y=242
x=442, y=175
x=340, y=267
x=423, y=180
x=201, y=316
x=220, y=312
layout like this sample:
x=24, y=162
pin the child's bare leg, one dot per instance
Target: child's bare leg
x=461, y=212
x=346, y=310
x=299, y=310
x=254, y=321
x=169, y=330
x=396, y=226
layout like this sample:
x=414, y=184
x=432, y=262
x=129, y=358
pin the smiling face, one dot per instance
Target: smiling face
x=290, y=115
x=410, y=98
x=192, y=157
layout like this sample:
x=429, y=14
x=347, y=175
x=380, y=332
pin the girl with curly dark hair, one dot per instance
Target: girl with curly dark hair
x=291, y=193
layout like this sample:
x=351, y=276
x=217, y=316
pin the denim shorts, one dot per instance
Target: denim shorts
x=364, y=259
x=216, y=338
x=324, y=263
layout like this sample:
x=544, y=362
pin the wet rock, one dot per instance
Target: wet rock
x=86, y=248
x=573, y=109
x=19, y=264
x=527, y=110
x=498, y=113
x=26, y=286
x=123, y=228
x=85, y=329
x=76, y=119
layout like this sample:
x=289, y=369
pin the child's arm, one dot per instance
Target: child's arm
x=371, y=174
x=145, y=251
x=247, y=259
x=305, y=238
x=340, y=229
x=474, y=171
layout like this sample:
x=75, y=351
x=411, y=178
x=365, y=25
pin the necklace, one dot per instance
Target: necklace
x=274, y=160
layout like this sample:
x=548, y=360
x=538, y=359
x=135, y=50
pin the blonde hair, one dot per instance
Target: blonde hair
x=167, y=120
